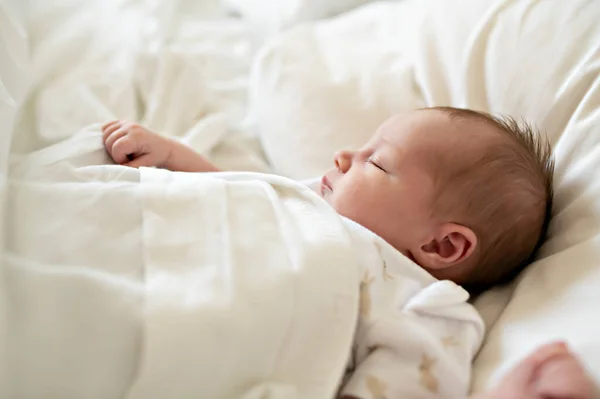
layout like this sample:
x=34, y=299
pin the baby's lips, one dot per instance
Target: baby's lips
x=326, y=182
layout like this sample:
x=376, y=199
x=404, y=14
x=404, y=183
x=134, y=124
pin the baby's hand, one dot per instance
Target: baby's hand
x=551, y=372
x=132, y=145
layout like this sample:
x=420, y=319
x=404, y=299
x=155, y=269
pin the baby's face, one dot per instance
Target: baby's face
x=388, y=185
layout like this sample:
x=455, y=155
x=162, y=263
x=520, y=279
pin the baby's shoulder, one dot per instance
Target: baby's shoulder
x=390, y=280
x=382, y=259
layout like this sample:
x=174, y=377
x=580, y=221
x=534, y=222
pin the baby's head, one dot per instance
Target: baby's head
x=464, y=194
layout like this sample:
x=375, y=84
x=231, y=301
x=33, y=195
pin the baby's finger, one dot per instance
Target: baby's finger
x=143, y=160
x=564, y=377
x=107, y=124
x=112, y=139
x=123, y=149
x=523, y=373
x=109, y=128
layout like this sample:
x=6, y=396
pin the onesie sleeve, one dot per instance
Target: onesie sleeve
x=422, y=347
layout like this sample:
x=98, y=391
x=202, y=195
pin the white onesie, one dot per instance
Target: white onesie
x=416, y=336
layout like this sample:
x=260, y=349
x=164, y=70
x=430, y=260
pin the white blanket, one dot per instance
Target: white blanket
x=184, y=285
x=178, y=67
x=154, y=284
x=251, y=285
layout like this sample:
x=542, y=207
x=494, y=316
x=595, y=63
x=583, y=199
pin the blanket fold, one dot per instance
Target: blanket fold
x=251, y=288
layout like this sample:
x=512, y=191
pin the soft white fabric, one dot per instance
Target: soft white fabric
x=146, y=290
x=178, y=67
x=14, y=79
x=156, y=284
x=314, y=183
x=271, y=16
x=325, y=86
x=251, y=285
x=14, y=53
x=14, y=76
x=319, y=88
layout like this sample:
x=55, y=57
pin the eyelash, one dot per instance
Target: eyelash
x=376, y=165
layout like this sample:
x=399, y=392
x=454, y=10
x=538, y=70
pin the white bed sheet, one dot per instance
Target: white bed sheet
x=181, y=68
x=178, y=67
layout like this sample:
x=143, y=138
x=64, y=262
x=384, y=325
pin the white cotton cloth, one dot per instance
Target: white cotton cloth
x=251, y=288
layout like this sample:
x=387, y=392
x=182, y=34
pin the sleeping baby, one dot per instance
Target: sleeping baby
x=465, y=196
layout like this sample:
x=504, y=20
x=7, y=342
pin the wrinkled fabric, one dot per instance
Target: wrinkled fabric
x=155, y=284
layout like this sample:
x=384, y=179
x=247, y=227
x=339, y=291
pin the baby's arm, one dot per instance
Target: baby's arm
x=184, y=159
x=132, y=145
x=552, y=371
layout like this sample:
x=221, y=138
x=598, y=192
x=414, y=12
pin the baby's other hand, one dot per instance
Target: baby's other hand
x=550, y=372
x=132, y=145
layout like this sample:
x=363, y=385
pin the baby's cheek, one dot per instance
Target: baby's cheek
x=359, y=202
x=360, y=212
x=347, y=207
x=342, y=206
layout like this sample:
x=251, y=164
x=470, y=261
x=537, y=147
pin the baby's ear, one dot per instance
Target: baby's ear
x=451, y=244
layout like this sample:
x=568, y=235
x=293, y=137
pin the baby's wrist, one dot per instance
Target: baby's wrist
x=170, y=146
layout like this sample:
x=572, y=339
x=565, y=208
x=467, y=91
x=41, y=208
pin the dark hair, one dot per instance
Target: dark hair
x=509, y=190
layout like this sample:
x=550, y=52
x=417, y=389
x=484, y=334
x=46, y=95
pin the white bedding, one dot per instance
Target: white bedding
x=183, y=69
x=178, y=67
x=155, y=285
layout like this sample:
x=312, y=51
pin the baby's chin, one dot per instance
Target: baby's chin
x=328, y=197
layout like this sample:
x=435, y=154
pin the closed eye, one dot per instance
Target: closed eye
x=376, y=164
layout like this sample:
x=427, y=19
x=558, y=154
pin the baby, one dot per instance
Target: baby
x=464, y=195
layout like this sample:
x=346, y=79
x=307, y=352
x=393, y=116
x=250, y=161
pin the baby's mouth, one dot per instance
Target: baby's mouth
x=325, y=186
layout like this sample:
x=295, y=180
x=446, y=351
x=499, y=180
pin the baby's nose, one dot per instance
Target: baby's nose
x=343, y=160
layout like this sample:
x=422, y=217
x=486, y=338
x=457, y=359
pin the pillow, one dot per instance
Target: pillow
x=321, y=87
